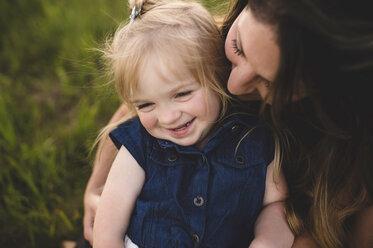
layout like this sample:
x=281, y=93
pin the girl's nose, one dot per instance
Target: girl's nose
x=168, y=115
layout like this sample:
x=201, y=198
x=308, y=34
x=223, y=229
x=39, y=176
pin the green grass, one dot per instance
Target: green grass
x=52, y=104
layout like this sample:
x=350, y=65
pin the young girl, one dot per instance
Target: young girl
x=189, y=172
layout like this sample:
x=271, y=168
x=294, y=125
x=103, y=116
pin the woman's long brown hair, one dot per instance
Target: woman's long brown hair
x=326, y=132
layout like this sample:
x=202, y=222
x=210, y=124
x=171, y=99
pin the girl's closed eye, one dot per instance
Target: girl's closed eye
x=145, y=107
x=184, y=95
x=236, y=49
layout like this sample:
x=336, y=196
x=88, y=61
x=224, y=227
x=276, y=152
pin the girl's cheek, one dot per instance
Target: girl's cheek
x=199, y=104
x=148, y=120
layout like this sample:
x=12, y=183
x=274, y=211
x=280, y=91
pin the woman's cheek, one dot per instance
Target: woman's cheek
x=263, y=90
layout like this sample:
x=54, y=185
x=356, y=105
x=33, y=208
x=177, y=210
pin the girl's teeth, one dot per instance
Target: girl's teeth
x=183, y=127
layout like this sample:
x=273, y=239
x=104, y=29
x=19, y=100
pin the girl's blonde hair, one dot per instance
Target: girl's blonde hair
x=175, y=32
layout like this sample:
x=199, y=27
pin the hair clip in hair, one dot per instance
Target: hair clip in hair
x=134, y=14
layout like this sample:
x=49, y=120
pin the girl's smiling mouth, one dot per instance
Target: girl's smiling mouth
x=183, y=129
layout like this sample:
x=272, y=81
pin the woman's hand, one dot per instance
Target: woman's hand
x=91, y=200
x=271, y=228
x=95, y=186
x=101, y=168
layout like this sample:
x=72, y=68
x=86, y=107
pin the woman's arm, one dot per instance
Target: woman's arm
x=271, y=227
x=98, y=177
x=362, y=233
x=304, y=241
x=123, y=185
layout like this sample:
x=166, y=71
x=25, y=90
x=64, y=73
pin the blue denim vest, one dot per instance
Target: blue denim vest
x=194, y=198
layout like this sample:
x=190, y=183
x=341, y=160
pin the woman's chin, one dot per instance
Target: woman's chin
x=253, y=96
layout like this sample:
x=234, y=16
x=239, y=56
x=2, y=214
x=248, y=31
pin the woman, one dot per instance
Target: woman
x=312, y=62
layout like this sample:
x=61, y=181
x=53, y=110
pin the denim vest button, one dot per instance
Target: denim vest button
x=172, y=158
x=195, y=239
x=198, y=201
x=203, y=160
x=234, y=128
x=239, y=159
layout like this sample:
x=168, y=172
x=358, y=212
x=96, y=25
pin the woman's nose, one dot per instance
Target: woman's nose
x=241, y=80
x=247, y=72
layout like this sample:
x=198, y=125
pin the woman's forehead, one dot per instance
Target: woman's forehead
x=259, y=43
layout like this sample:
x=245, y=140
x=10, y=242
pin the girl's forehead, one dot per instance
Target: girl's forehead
x=158, y=79
x=165, y=68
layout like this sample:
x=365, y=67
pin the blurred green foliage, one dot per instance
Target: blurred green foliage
x=51, y=107
x=52, y=104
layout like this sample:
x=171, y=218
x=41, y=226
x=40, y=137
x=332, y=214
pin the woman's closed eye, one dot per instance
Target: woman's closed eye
x=236, y=49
